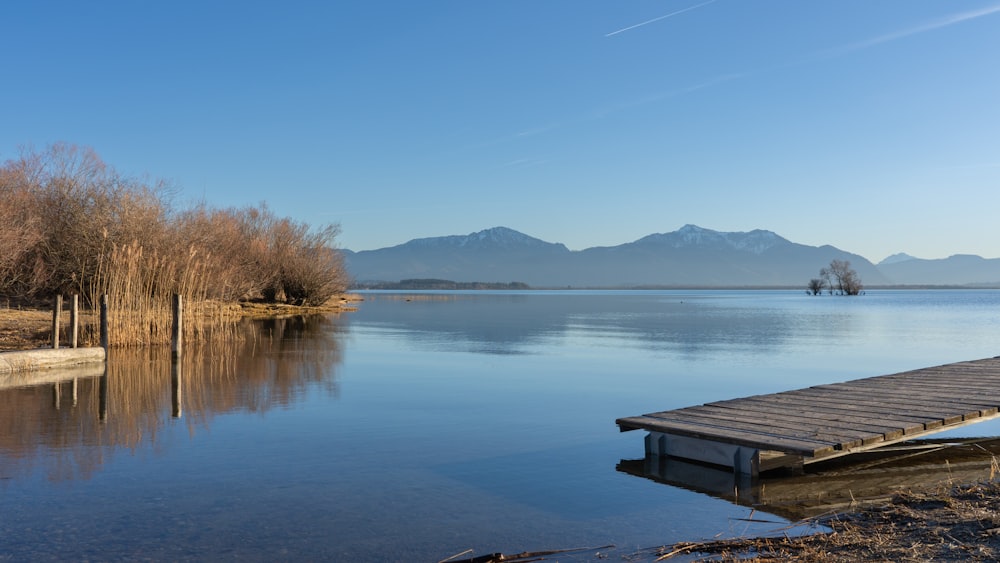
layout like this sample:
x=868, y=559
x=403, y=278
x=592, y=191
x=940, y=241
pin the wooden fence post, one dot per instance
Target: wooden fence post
x=56, y=313
x=74, y=320
x=104, y=325
x=177, y=334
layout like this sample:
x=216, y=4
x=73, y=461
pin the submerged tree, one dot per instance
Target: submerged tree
x=815, y=286
x=840, y=277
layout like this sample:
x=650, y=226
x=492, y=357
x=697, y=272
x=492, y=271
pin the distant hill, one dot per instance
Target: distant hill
x=960, y=269
x=898, y=257
x=689, y=257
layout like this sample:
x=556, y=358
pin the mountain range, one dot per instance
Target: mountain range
x=689, y=257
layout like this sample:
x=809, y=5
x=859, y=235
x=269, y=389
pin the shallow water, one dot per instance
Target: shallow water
x=419, y=427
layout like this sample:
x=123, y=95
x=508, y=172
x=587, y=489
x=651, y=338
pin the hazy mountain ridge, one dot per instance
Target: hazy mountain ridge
x=898, y=257
x=692, y=256
x=497, y=237
x=756, y=241
x=958, y=269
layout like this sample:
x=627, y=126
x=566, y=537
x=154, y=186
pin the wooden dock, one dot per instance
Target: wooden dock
x=763, y=432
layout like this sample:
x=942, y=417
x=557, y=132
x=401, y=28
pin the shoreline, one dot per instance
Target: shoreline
x=957, y=523
x=30, y=328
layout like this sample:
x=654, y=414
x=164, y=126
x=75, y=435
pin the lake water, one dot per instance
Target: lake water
x=424, y=425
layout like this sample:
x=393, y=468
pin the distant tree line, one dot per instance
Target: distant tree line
x=410, y=284
x=838, y=278
x=69, y=223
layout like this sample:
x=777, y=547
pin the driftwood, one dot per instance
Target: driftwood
x=523, y=557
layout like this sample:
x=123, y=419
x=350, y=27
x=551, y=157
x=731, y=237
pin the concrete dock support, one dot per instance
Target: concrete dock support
x=742, y=459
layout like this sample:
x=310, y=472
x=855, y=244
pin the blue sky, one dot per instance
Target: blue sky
x=873, y=126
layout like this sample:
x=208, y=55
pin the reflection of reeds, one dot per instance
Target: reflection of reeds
x=270, y=364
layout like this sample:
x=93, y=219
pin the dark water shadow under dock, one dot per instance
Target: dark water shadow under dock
x=837, y=485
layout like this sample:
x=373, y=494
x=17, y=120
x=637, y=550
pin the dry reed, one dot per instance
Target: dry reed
x=71, y=224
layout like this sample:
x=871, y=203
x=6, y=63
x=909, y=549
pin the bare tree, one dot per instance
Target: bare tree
x=842, y=278
x=71, y=223
x=816, y=286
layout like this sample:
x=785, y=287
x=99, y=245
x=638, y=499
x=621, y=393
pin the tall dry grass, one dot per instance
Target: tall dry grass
x=71, y=224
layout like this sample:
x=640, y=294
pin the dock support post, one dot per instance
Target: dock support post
x=742, y=459
x=56, y=313
x=74, y=320
x=104, y=325
x=177, y=334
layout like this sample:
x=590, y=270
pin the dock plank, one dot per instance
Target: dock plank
x=908, y=396
x=805, y=419
x=910, y=423
x=932, y=411
x=836, y=418
x=843, y=437
x=761, y=440
x=818, y=404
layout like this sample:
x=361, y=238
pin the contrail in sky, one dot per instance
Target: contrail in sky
x=809, y=58
x=930, y=26
x=671, y=14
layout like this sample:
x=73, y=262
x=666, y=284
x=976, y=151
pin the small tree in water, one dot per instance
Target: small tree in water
x=841, y=278
x=816, y=286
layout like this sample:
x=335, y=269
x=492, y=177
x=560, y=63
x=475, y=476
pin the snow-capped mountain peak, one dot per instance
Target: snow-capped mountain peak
x=754, y=242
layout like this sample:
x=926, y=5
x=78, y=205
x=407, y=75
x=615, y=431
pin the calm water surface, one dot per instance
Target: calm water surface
x=422, y=426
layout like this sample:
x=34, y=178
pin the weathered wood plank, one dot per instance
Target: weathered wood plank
x=760, y=440
x=956, y=389
x=929, y=420
x=909, y=397
x=898, y=393
x=924, y=395
x=889, y=415
x=949, y=417
x=970, y=386
x=762, y=414
x=844, y=438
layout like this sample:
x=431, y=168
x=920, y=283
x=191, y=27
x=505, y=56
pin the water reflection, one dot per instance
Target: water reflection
x=836, y=485
x=688, y=322
x=69, y=423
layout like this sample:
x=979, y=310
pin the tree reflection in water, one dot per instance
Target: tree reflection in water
x=68, y=429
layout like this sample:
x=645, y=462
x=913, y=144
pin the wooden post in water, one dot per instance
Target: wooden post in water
x=176, y=396
x=102, y=397
x=74, y=320
x=56, y=313
x=104, y=325
x=177, y=334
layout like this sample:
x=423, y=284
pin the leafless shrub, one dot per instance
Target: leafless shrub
x=71, y=224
